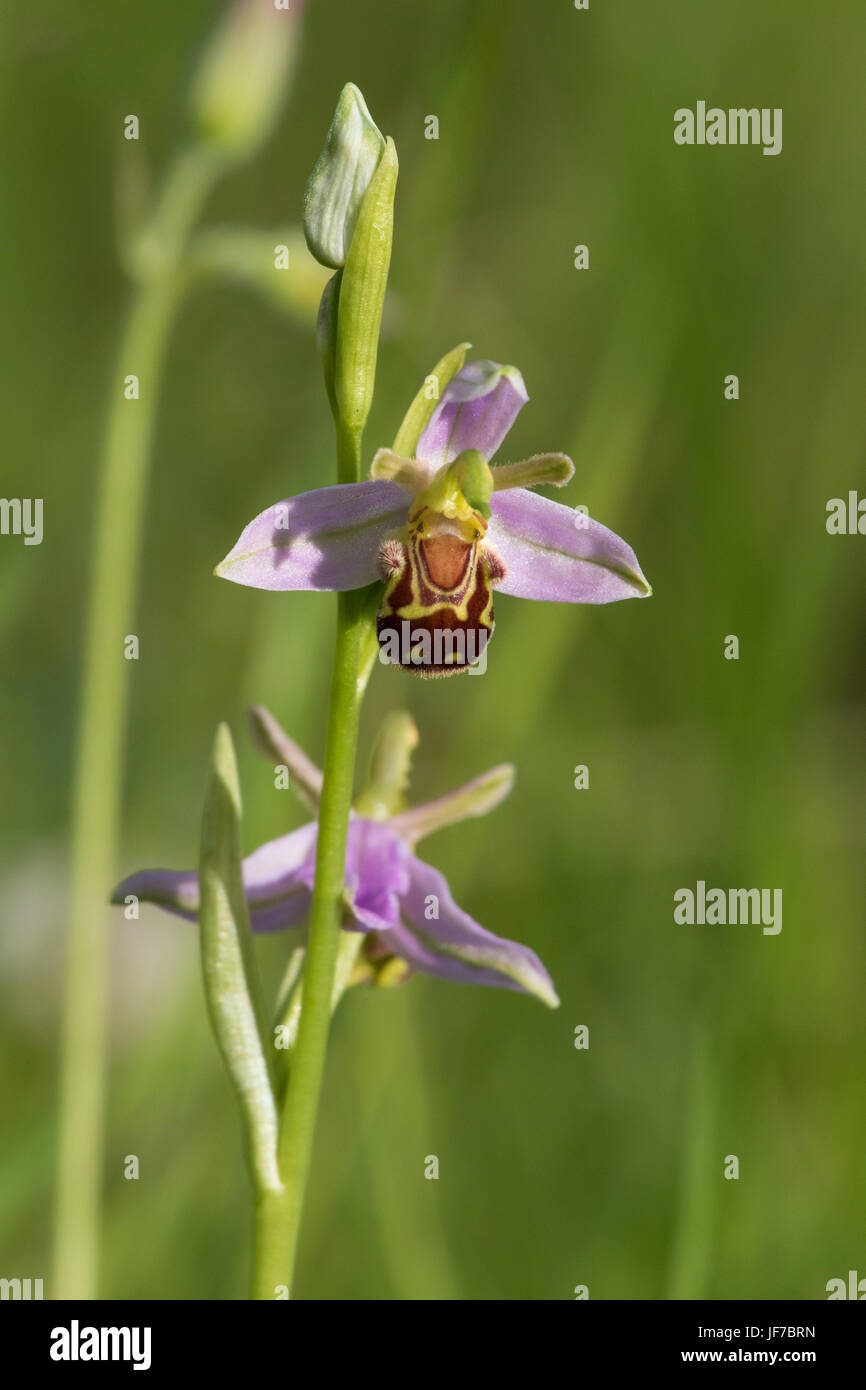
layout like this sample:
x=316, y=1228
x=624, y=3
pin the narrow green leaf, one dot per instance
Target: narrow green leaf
x=228, y=965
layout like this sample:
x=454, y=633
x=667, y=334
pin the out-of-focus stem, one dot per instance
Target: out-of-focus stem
x=121, y=495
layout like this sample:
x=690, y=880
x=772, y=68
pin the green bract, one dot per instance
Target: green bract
x=362, y=295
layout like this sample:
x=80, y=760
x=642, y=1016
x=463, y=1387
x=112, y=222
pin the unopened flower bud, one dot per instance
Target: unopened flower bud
x=340, y=179
x=244, y=74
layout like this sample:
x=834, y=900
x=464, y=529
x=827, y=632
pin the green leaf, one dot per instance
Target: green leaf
x=231, y=983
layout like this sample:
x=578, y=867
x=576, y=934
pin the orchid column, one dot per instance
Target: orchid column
x=348, y=223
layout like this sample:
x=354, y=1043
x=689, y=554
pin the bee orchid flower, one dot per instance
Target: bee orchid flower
x=402, y=904
x=441, y=530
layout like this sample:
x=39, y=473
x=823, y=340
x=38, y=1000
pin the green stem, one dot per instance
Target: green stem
x=348, y=453
x=101, y=721
x=273, y=1219
x=278, y=1217
x=269, y=1267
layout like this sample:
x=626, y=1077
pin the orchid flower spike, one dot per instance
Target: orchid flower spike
x=403, y=905
x=441, y=527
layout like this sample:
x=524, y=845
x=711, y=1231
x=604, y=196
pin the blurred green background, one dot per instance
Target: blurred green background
x=557, y=1167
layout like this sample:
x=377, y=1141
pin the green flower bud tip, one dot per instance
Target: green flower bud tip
x=243, y=75
x=340, y=178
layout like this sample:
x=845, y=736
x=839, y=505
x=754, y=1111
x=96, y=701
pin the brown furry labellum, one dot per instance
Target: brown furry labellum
x=436, y=615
